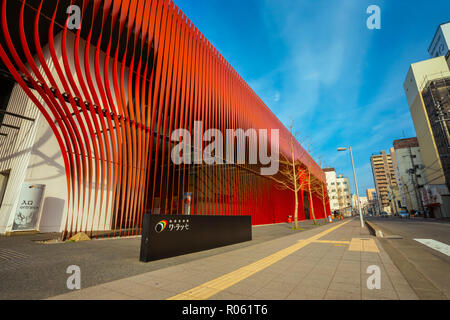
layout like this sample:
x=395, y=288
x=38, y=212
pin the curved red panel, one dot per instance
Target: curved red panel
x=114, y=90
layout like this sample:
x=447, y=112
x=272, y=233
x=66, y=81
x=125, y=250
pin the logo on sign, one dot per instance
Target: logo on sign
x=160, y=226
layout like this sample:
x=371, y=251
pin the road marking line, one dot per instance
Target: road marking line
x=436, y=245
x=210, y=288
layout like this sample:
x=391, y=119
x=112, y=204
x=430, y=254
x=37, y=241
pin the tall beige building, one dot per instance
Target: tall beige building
x=419, y=76
x=383, y=170
x=372, y=200
x=410, y=175
x=370, y=195
x=427, y=88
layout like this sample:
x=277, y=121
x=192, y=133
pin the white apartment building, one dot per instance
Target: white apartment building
x=338, y=191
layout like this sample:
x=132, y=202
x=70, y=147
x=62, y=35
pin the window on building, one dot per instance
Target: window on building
x=6, y=87
x=4, y=177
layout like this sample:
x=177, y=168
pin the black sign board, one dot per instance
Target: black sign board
x=165, y=236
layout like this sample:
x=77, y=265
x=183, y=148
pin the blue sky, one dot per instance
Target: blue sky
x=317, y=63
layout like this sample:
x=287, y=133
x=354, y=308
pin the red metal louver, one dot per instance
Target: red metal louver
x=114, y=90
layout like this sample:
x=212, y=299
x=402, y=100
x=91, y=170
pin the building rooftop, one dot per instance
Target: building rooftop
x=436, y=32
x=406, y=143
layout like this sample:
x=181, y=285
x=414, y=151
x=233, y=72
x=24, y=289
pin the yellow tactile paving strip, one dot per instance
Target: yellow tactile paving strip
x=364, y=245
x=332, y=242
x=210, y=288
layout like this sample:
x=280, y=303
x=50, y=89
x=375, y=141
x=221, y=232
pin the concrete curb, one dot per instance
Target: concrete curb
x=374, y=229
x=423, y=286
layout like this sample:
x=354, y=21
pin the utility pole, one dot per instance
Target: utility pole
x=356, y=183
x=413, y=174
x=389, y=179
x=443, y=123
x=441, y=102
x=394, y=199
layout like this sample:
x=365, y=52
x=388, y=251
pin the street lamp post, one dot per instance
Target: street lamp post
x=356, y=183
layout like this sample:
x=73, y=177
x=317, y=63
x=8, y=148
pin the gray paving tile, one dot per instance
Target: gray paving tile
x=348, y=280
x=407, y=295
x=245, y=287
x=348, y=288
x=340, y=295
x=370, y=257
x=75, y=295
x=316, y=283
x=95, y=293
x=229, y=296
x=383, y=293
x=294, y=277
x=318, y=271
x=280, y=285
x=270, y=294
x=307, y=293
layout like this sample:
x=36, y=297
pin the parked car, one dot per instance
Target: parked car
x=404, y=214
x=384, y=214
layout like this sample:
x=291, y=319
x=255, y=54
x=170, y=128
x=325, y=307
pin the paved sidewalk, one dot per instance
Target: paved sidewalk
x=32, y=270
x=328, y=262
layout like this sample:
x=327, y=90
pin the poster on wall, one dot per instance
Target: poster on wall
x=29, y=207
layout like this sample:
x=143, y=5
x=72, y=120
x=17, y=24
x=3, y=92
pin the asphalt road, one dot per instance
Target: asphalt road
x=427, y=269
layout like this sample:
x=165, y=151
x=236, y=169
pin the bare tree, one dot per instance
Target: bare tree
x=318, y=187
x=310, y=196
x=311, y=183
x=293, y=175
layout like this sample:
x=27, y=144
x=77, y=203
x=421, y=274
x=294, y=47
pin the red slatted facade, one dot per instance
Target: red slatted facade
x=114, y=90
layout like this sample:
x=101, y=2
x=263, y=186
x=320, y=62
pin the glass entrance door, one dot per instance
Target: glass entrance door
x=306, y=204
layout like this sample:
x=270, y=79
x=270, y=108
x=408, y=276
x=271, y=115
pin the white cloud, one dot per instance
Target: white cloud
x=276, y=96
